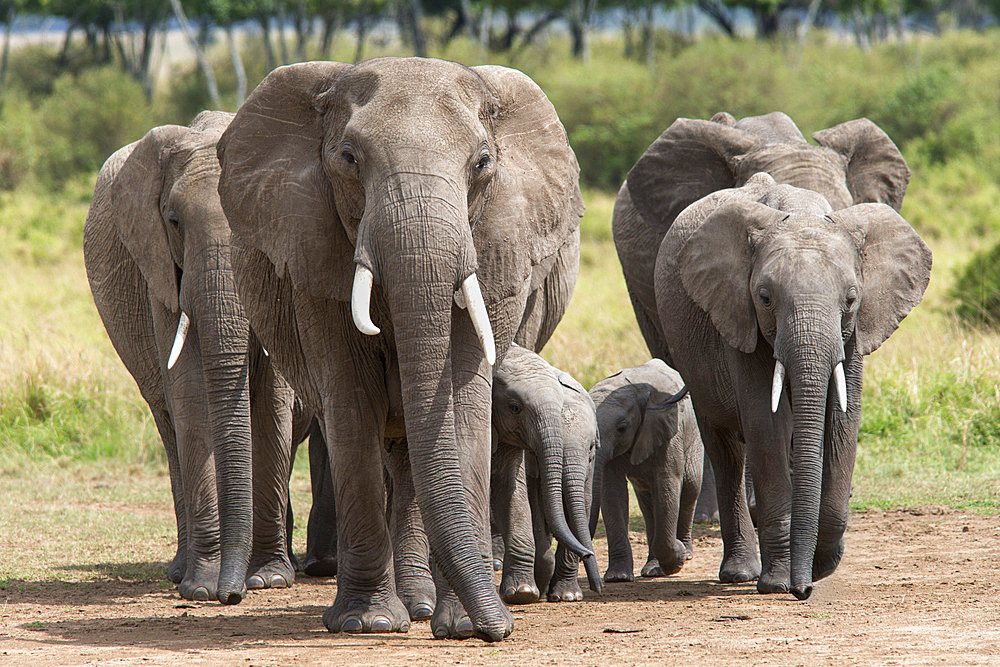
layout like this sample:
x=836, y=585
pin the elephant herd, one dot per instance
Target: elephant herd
x=372, y=256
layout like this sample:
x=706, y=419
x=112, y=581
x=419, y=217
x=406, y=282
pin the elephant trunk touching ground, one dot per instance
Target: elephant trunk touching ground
x=223, y=334
x=418, y=232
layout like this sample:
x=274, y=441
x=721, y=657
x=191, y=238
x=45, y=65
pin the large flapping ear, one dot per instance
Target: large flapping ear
x=691, y=159
x=135, y=196
x=273, y=187
x=895, y=269
x=658, y=427
x=715, y=266
x=876, y=170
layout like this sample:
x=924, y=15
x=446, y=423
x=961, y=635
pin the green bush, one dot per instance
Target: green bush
x=977, y=290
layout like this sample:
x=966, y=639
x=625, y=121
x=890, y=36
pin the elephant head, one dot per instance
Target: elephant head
x=441, y=184
x=529, y=410
x=163, y=205
x=816, y=289
x=855, y=162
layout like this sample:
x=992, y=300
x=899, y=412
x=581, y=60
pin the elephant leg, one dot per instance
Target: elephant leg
x=175, y=571
x=707, y=509
x=545, y=563
x=565, y=585
x=366, y=585
x=411, y=551
x=614, y=508
x=512, y=513
x=271, y=429
x=321, y=530
x=740, y=562
x=645, y=498
x=690, y=494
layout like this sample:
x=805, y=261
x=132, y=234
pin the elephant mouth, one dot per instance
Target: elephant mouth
x=469, y=297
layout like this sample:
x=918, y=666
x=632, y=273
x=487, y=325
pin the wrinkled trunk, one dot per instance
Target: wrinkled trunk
x=575, y=466
x=224, y=335
x=600, y=463
x=549, y=451
x=420, y=248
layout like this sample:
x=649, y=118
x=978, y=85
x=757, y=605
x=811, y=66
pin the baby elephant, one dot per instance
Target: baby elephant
x=545, y=439
x=648, y=434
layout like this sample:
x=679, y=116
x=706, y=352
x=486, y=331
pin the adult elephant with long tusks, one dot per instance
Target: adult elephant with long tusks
x=768, y=301
x=387, y=220
x=156, y=248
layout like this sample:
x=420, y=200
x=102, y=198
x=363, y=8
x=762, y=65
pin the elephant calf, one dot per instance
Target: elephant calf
x=648, y=435
x=545, y=439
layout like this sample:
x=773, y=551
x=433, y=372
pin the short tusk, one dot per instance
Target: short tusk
x=480, y=318
x=777, y=384
x=182, y=331
x=361, y=297
x=841, y=383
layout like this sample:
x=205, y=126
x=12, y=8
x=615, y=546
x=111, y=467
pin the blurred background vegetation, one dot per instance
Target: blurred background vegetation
x=618, y=72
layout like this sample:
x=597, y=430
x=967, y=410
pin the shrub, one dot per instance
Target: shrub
x=977, y=290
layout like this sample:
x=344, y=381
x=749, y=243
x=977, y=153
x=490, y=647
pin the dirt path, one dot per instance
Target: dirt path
x=916, y=587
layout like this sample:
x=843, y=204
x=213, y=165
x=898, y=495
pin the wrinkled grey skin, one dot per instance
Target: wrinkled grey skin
x=855, y=162
x=545, y=437
x=423, y=172
x=654, y=444
x=766, y=273
x=156, y=242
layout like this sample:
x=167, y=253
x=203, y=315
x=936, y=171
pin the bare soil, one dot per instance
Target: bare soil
x=916, y=586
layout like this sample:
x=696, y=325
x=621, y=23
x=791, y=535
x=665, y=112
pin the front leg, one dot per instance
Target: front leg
x=321, y=530
x=614, y=508
x=509, y=500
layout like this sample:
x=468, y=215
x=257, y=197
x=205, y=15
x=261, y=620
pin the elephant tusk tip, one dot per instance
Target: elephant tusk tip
x=183, y=324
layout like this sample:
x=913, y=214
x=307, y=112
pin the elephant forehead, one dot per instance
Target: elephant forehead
x=807, y=252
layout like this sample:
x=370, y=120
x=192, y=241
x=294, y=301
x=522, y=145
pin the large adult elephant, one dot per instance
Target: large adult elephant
x=454, y=190
x=768, y=300
x=156, y=248
x=855, y=162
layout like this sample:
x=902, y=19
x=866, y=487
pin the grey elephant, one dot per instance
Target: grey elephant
x=390, y=222
x=855, y=162
x=545, y=440
x=769, y=299
x=156, y=249
x=649, y=436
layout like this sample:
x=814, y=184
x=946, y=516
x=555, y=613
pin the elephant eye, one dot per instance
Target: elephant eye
x=764, y=296
x=514, y=407
x=484, y=162
x=622, y=425
x=852, y=298
x=173, y=218
x=348, y=157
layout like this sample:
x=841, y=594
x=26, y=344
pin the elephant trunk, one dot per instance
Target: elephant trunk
x=600, y=462
x=422, y=251
x=811, y=364
x=224, y=338
x=575, y=472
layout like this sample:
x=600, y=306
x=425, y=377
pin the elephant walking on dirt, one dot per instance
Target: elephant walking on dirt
x=390, y=220
x=855, y=162
x=156, y=248
x=768, y=301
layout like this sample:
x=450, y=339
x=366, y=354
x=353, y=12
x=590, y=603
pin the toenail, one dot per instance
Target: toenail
x=351, y=625
x=200, y=594
x=381, y=624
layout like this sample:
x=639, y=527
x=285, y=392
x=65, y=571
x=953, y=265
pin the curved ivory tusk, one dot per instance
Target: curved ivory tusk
x=480, y=319
x=777, y=384
x=361, y=297
x=841, y=384
x=182, y=331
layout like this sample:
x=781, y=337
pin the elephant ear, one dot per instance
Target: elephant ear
x=715, y=265
x=876, y=170
x=273, y=187
x=895, y=270
x=658, y=427
x=135, y=195
x=692, y=158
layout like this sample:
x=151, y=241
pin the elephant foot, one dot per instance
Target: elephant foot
x=200, y=582
x=826, y=559
x=276, y=572
x=450, y=621
x=688, y=551
x=363, y=614
x=325, y=566
x=565, y=590
x=545, y=567
x=738, y=570
x=175, y=571
x=417, y=592
x=518, y=589
x=619, y=571
x=652, y=569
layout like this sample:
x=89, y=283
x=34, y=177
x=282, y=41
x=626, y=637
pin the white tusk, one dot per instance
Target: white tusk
x=182, y=331
x=777, y=384
x=361, y=296
x=264, y=350
x=841, y=383
x=480, y=319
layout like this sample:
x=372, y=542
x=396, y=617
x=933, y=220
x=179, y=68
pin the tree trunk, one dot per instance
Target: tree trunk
x=362, y=35
x=67, y=41
x=648, y=34
x=282, y=40
x=302, y=29
x=414, y=17
x=628, y=34
x=237, y=60
x=265, y=26
x=206, y=68
x=718, y=13
x=331, y=25
x=4, y=55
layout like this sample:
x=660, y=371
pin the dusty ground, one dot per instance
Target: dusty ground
x=916, y=587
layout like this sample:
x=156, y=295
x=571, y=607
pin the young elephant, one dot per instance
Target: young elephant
x=769, y=299
x=156, y=248
x=648, y=435
x=545, y=438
